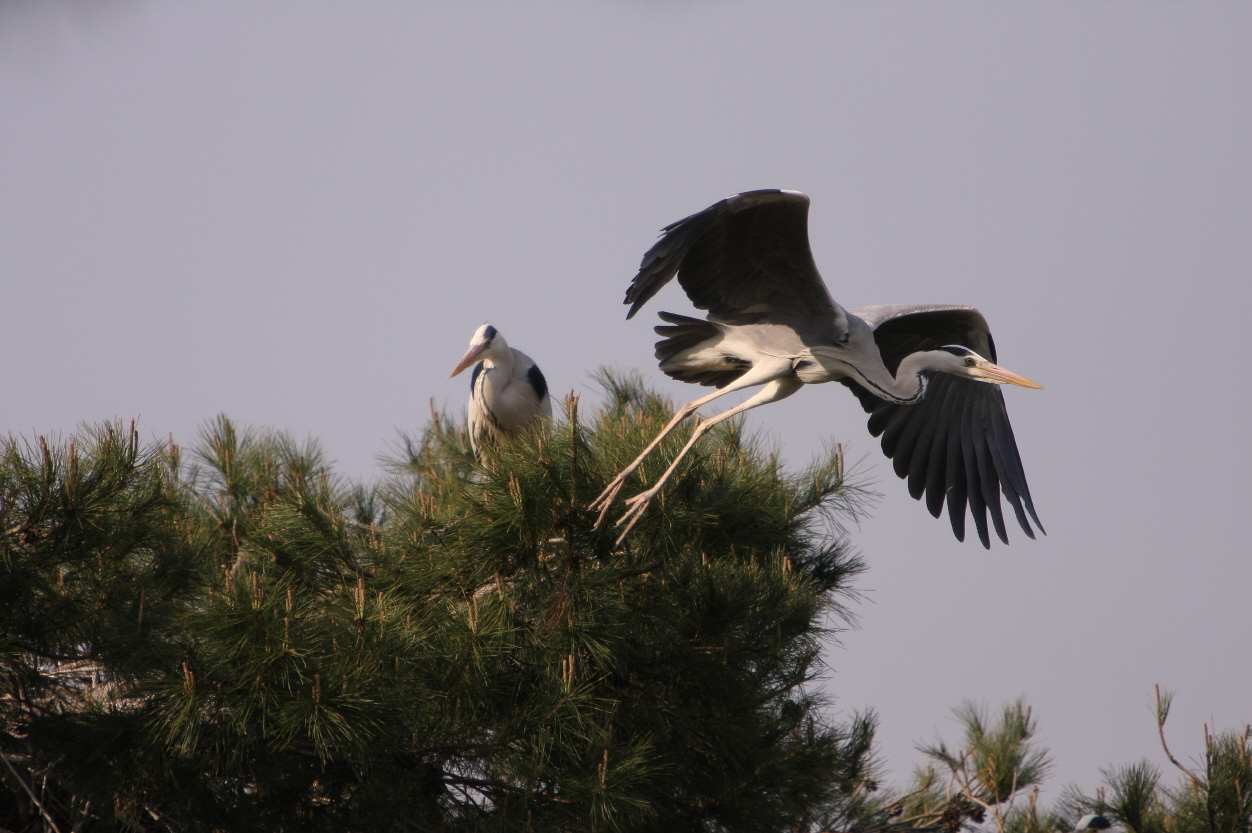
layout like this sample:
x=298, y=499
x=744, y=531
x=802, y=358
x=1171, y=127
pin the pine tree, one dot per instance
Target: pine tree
x=241, y=641
x=272, y=648
x=1215, y=797
x=990, y=783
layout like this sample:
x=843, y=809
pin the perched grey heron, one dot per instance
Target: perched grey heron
x=920, y=370
x=507, y=390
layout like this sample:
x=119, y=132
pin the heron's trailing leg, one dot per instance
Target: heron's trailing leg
x=610, y=493
x=759, y=374
x=774, y=391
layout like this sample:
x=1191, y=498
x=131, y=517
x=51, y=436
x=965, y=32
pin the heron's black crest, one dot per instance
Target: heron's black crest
x=958, y=351
x=540, y=384
x=489, y=334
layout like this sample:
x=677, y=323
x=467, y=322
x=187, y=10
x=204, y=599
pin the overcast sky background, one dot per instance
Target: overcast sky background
x=296, y=214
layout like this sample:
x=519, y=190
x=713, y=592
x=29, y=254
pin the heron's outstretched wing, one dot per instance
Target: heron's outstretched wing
x=957, y=442
x=746, y=260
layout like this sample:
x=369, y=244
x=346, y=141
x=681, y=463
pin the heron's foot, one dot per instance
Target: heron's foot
x=638, y=505
x=610, y=493
x=605, y=502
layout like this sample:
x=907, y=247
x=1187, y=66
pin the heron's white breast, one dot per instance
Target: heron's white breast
x=510, y=401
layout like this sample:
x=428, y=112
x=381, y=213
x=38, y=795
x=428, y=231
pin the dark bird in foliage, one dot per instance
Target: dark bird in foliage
x=507, y=390
x=1092, y=822
x=924, y=372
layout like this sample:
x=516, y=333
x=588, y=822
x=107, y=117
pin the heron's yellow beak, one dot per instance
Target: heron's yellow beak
x=469, y=358
x=997, y=374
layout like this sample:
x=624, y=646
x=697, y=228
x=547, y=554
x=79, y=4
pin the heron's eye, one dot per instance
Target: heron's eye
x=970, y=361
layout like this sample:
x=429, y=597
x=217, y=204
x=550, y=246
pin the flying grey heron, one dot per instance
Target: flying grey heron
x=918, y=370
x=507, y=390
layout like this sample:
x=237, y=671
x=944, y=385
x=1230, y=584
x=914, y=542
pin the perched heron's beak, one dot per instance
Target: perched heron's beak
x=995, y=373
x=471, y=356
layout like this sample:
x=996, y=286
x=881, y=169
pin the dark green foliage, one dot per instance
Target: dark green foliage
x=1131, y=795
x=1215, y=797
x=992, y=782
x=977, y=783
x=250, y=644
x=89, y=560
x=999, y=757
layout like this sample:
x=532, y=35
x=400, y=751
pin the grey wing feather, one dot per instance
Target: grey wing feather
x=746, y=260
x=526, y=373
x=956, y=445
x=537, y=383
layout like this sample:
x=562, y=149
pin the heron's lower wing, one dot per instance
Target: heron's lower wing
x=956, y=445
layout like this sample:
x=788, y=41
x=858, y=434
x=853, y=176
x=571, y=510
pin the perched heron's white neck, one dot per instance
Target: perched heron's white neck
x=500, y=355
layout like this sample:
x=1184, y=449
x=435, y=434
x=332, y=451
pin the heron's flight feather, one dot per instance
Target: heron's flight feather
x=746, y=260
x=969, y=453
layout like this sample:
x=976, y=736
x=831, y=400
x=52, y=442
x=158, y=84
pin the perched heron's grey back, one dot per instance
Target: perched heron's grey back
x=956, y=444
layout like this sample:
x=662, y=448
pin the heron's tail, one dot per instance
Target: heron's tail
x=689, y=352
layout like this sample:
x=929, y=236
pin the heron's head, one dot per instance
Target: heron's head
x=961, y=361
x=486, y=341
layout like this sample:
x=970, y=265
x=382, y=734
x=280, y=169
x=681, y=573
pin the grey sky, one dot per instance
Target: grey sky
x=297, y=214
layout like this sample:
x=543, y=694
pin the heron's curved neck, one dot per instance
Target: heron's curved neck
x=907, y=387
x=499, y=356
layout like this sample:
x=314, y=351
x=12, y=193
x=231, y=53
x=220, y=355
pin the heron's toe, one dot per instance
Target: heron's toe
x=605, y=500
x=604, y=503
x=630, y=519
x=638, y=505
x=640, y=501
